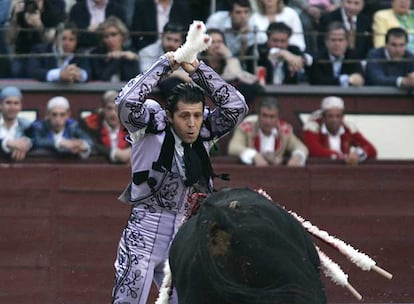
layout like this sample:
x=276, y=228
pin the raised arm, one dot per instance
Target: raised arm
x=230, y=104
x=130, y=101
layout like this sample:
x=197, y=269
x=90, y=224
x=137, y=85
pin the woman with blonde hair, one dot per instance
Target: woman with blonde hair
x=112, y=60
x=275, y=11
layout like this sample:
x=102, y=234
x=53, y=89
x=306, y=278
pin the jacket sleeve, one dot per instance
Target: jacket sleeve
x=132, y=112
x=40, y=136
x=295, y=145
x=80, y=133
x=379, y=27
x=321, y=73
x=238, y=142
x=36, y=68
x=230, y=105
x=375, y=71
x=360, y=141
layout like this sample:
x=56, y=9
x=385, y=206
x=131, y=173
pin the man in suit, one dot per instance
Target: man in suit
x=88, y=15
x=63, y=65
x=265, y=140
x=151, y=16
x=392, y=65
x=172, y=37
x=336, y=65
x=13, y=142
x=284, y=63
x=399, y=15
x=237, y=27
x=357, y=24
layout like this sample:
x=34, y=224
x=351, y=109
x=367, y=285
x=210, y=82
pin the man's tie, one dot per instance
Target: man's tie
x=351, y=34
x=193, y=165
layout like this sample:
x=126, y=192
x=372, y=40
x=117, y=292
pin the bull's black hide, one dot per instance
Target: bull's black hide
x=242, y=248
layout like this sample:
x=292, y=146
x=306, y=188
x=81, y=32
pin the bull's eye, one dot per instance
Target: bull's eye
x=234, y=204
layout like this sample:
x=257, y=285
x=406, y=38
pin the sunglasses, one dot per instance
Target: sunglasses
x=111, y=34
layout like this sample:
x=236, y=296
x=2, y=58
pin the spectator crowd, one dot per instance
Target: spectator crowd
x=59, y=134
x=327, y=42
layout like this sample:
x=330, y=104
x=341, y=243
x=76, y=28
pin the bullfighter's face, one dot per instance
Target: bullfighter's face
x=187, y=120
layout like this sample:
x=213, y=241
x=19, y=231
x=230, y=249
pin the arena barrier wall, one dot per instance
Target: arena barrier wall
x=60, y=224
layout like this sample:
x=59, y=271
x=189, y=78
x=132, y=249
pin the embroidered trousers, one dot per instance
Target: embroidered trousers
x=142, y=252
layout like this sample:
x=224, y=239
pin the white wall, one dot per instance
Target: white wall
x=392, y=135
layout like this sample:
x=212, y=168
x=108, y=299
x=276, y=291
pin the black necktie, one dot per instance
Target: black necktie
x=193, y=165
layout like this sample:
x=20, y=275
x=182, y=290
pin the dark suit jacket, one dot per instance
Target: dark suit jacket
x=145, y=20
x=385, y=73
x=103, y=68
x=39, y=66
x=363, y=41
x=322, y=72
x=79, y=14
x=263, y=50
x=52, y=14
x=42, y=136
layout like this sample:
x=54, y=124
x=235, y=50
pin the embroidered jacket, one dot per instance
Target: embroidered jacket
x=246, y=136
x=162, y=182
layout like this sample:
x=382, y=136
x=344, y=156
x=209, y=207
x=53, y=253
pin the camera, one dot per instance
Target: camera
x=30, y=6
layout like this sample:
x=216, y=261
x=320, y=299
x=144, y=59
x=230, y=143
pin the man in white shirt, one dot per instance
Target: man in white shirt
x=173, y=36
x=13, y=143
x=328, y=135
x=237, y=27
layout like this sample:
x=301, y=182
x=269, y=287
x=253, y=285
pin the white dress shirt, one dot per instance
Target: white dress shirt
x=7, y=133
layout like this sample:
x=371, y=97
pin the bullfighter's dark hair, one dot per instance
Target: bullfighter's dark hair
x=187, y=93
